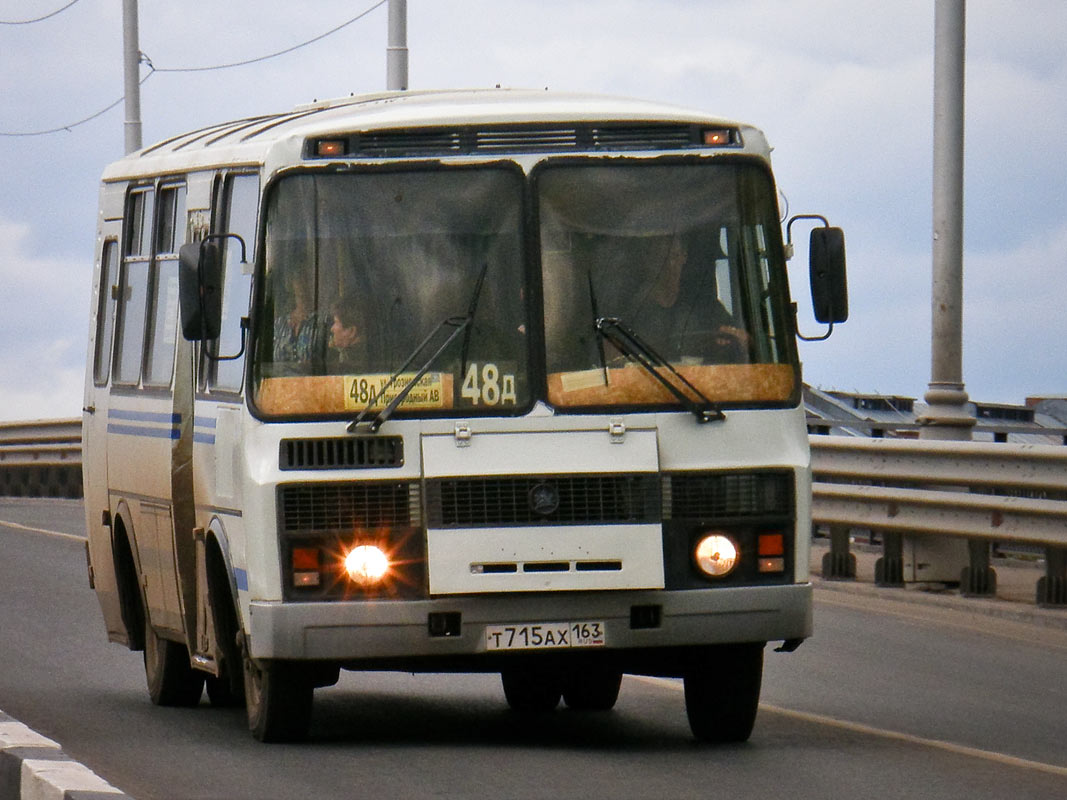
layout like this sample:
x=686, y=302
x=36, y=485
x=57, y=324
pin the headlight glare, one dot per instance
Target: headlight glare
x=717, y=554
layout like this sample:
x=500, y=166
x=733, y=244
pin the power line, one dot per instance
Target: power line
x=320, y=37
x=72, y=125
x=39, y=19
x=153, y=69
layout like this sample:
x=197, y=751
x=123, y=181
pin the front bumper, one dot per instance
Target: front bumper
x=399, y=632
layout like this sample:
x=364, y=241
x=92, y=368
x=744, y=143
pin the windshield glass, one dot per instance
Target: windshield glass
x=363, y=267
x=688, y=258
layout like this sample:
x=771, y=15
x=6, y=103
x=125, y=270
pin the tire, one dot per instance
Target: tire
x=278, y=700
x=594, y=690
x=171, y=680
x=722, y=694
x=531, y=692
x=222, y=694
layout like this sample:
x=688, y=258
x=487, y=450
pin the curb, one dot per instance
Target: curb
x=33, y=767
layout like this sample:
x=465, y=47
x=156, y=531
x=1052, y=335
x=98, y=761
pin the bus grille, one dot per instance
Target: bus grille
x=546, y=500
x=348, y=506
x=710, y=495
x=351, y=452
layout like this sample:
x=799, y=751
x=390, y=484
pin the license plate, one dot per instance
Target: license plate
x=544, y=636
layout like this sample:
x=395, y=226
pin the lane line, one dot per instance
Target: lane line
x=870, y=730
x=75, y=537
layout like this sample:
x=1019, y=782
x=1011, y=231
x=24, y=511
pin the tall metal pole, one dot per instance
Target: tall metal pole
x=948, y=415
x=396, y=55
x=131, y=58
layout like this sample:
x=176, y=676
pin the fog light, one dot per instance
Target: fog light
x=717, y=555
x=366, y=564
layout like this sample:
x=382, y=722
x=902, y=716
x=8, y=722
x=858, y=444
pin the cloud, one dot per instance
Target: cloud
x=42, y=328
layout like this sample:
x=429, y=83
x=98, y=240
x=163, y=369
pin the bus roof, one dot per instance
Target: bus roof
x=253, y=140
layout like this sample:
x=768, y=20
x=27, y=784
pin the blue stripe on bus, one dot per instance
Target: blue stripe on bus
x=205, y=422
x=242, y=579
x=143, y=416
x=204, y=438
x=134, y=430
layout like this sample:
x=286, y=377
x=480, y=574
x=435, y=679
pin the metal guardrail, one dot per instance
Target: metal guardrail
x=41, y=459
x=984, y=492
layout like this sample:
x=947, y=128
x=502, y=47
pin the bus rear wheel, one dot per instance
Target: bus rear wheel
x=722, y=693
x=593, y=690
x=278, y=700
x=531, y=691
x=171, y=680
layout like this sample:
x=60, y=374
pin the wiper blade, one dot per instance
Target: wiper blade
x=641, y=352
x=460, y=323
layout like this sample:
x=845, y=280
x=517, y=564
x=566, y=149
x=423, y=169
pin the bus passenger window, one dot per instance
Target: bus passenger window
x=163, y=314
x=133, y=288
x=105, y=311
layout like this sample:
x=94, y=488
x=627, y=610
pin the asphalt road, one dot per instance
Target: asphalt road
x=888, y=699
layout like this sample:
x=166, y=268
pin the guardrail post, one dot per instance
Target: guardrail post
x=889, y=569
x=1052, y=589
x=979, y=579
x=839, y=564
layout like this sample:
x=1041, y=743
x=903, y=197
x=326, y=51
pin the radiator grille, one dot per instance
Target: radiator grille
x=551, y=500
x=353, y=452
x=702, y=495
x=348, y=506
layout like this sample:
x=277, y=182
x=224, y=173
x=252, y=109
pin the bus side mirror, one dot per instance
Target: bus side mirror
x=200, y=290
x=826, y=268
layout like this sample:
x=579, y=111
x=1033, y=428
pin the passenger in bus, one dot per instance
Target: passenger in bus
x=348, y=345
x=299, y=333
x=681, y=310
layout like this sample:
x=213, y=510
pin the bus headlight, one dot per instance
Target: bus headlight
x=366, y=564
x=717, y=555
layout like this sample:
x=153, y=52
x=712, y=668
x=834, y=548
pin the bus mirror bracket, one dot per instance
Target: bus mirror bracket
x=826, y=273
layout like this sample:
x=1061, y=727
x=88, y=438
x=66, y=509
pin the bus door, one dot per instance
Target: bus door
x=143, y=427
x=95, y=412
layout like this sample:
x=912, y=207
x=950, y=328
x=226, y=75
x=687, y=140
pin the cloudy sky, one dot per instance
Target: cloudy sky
x=843, y=89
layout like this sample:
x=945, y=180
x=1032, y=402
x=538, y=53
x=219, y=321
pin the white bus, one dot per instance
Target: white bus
x=481, y=381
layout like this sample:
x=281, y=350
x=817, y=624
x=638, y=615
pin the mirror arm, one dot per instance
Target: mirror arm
x=789, y=226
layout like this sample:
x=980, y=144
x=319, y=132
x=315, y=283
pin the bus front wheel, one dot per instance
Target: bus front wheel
x=278, y=699
x=722, y=693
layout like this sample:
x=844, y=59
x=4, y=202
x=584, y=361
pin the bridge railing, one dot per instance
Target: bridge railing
x=983, y=492
x=41, y=459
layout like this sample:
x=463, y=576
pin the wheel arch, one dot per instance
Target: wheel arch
x=127, y=577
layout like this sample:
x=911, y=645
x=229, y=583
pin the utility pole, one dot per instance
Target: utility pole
x=396, y=54
x=948, y=416
x=131, y=58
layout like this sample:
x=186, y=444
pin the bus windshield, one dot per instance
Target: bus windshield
x=361, y=268
x=685, y=258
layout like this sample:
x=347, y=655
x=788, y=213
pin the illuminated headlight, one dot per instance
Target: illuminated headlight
x=717, y=554
x=366, y=564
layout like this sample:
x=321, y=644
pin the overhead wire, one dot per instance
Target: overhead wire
x=152, y=69
x=38, y=19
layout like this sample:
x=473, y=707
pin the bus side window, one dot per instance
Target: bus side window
x=163, y=308
x=240, y=203
x=105, y=311
x=133, y=286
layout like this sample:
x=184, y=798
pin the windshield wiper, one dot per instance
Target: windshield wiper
x=459, y=323
x=641, y=352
